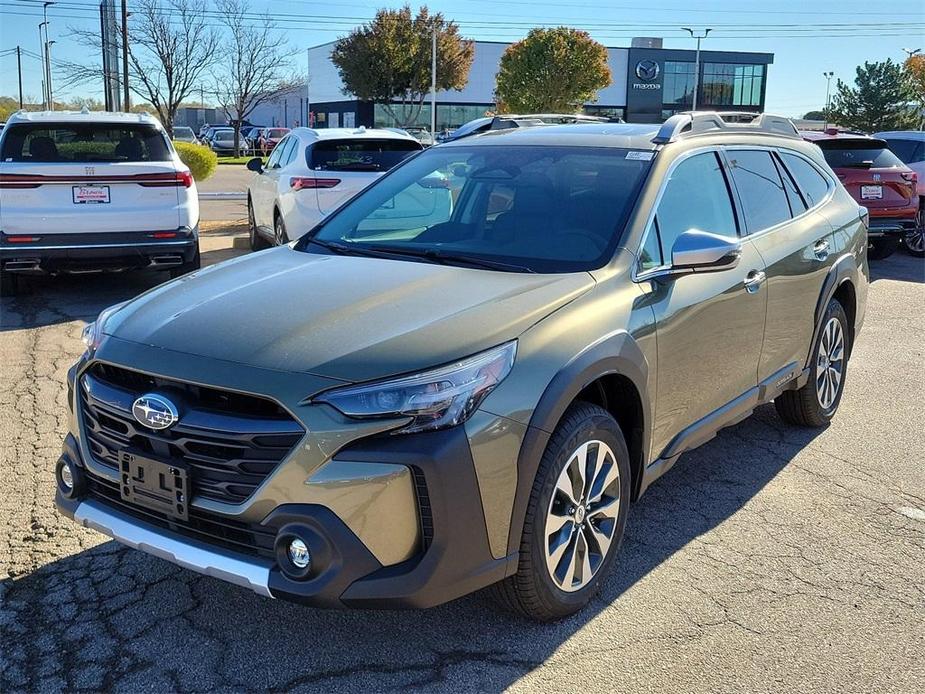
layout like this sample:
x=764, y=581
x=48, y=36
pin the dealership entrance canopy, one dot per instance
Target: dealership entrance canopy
x=649, y=84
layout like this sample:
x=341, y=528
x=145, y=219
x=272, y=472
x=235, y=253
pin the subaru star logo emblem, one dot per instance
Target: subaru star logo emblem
x=155, y=411
x=647, y=70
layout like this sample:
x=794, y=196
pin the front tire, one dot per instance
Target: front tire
x=816, y=402
x=257, y=242
x=881, y=248
x=575, y=518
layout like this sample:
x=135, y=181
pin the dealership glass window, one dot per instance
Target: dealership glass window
x=731, y=84
x=449, y=116
x=605, y=111
x=678, y=83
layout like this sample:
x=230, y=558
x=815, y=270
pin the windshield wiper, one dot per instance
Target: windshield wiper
x=351, y=249
x=445, y=257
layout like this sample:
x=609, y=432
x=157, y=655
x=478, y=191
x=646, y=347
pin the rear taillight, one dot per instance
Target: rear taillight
x=910, y=176
x=22, y=239
x=185, y=178
x=301, y=182
x=163, y=180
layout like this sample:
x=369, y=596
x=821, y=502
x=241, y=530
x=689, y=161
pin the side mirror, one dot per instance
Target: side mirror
x=255, y=165
x=701, y=251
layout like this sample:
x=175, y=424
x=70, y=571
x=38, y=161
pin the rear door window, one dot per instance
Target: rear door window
x=858, y=154
x=83, y=142
x=359, y=155
x=760, y=188
x=813, y=184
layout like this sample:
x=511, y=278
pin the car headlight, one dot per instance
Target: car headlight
x=435, y=399
x=93, y=332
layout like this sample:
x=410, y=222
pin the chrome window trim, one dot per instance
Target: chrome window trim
x=655, y=272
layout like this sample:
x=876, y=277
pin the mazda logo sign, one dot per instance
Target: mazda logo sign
x=647, y=70
x=155, y=411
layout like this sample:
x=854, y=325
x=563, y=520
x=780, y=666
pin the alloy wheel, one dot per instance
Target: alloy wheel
x=582, y=516
x=915, y=240
x=830, y=363
x=280, y=233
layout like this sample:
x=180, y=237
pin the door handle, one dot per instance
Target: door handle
x=821, y=249
x=754, y=280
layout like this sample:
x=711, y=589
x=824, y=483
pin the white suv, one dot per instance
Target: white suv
x=312, y=172
x=83, y=191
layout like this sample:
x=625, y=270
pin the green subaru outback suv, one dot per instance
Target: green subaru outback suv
x=400, y=408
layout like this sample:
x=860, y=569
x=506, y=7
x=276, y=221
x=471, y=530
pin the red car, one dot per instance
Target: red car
x=878, y=180
x=269, y=138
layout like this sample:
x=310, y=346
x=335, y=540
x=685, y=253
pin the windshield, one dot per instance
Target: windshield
x=520, y=208
x=223, y=135
x=359, y=155
x=277, y=133
x=83, y=142
x=867, y=154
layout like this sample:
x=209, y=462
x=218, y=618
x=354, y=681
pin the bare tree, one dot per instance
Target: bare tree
x=254, y=67
x=171, y=49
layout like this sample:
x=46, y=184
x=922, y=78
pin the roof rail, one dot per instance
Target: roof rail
x=706, y=122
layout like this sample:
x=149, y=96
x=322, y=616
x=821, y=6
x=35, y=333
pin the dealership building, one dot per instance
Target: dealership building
x=649, y=83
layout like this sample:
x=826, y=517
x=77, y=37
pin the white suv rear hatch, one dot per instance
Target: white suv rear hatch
x=89, y=176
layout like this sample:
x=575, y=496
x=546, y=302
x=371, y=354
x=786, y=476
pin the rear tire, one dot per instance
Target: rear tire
x=881, y=248
x=257, y=242
x=914, y=241
x=186, y=268
x=9, y=284
x=573, y=528
x=816, y=402
x=279, y=230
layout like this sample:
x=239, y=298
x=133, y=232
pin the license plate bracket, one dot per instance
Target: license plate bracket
x=158, y=486
x=90, y=195
x=871, y=192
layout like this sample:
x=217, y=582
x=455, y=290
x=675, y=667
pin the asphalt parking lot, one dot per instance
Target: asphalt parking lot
x=771, y=559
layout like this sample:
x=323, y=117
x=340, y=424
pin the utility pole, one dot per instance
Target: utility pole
x=308, y=91
x=433, y=86
x=19, y=72
x=706, y=33
x=128, y=105
x=828, y=84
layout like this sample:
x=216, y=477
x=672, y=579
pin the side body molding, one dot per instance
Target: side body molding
x=616, y=353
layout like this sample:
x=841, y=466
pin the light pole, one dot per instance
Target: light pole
x=911, y=51
x=828, y=84
x=47, y=53
x=433, y=86
x=44, y=71
x=694, y=35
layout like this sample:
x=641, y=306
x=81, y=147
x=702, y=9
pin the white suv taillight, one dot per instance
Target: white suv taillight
x=300, y=182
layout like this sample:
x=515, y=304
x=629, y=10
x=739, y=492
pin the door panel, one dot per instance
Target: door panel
x=709, y=335
x=798, y=256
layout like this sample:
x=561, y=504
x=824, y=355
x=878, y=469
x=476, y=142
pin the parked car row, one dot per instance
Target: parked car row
x=464, y=373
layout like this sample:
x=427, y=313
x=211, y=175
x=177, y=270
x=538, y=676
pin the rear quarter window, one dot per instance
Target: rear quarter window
x=83, y=142
x=359, y=155
x=812, y=184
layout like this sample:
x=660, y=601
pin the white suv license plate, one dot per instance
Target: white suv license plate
x=90, y=195
x=871, y=192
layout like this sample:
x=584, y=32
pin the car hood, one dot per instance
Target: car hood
x=344, y=317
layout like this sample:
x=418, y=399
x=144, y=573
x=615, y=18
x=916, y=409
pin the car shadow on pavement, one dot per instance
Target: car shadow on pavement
x=109, y=617
x=45, y=301
x=900, y=266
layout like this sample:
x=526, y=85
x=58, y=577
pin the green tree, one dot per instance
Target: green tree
x=914, y=70
x=551, y=70
x=389, y=60
x=879, y=99
x=814, y=115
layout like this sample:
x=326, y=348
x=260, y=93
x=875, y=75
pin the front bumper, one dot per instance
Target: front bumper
x=452, y=559
x=94, y=252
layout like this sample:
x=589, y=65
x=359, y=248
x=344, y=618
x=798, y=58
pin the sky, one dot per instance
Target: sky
x=806, y=38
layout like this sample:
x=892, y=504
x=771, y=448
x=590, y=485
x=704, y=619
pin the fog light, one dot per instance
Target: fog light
x=67, y=477
x=298, y=554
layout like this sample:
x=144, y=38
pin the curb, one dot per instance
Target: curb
x=241, y=243
x=223, y=196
